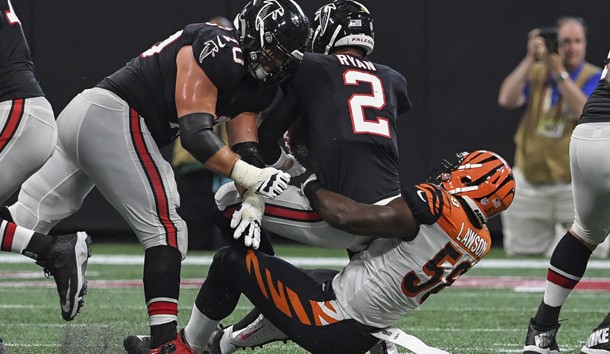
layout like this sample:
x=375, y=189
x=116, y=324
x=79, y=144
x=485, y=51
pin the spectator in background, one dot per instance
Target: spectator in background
x=197, y=185
x=551, y=85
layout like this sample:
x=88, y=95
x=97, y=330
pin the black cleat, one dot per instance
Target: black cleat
x=67, y=262
x=598, y=342
x=541, y=340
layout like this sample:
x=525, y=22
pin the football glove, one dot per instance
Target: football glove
x=247, y=220
x=269, y=182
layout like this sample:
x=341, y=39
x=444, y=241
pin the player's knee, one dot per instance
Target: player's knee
x=229, y=258
x=590, y=238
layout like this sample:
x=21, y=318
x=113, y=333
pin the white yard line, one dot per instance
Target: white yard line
x=310, y=261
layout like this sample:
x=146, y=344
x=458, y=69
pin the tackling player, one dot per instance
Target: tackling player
x=421, y=242
x=110, y=135
x=27, y=140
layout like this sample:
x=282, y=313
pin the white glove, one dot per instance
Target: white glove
x=247, y=220
x=269, y=182
x=296, y=169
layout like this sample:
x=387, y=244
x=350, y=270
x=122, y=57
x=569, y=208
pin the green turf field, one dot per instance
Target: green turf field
x=474, y=319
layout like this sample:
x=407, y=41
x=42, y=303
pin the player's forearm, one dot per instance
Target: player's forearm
x=242, y=128
x=357, y=218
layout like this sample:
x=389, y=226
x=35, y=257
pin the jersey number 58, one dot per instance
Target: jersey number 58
x=412, y=284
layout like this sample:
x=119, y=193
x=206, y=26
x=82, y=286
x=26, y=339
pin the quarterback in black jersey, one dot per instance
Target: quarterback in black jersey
x=348, y=107
x=27, y=139
x=110, y=135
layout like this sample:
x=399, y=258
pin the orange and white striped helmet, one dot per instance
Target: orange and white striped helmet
x=482, y=177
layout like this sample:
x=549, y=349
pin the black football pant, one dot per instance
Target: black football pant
x=285, y=294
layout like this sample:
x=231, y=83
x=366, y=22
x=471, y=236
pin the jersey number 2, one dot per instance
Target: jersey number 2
x=358, y=102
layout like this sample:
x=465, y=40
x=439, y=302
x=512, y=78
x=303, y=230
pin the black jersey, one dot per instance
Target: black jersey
x=148, y=83
x=597, y=108
x=16, y=67
x=349, y=108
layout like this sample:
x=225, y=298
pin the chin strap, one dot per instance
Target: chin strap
x=475, y=208
x=412, y=343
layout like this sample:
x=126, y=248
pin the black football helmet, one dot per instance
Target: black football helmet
x=273, y=35
x=342, y=23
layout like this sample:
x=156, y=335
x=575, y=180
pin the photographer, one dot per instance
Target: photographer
x=550, y=85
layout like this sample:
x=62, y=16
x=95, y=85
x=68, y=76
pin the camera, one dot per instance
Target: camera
x=551, y=39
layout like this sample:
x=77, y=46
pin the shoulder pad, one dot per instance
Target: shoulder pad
x=218, y=53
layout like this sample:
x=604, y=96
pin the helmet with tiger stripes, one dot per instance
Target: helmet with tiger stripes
x=483, y=178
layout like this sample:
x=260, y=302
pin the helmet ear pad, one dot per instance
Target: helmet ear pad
x=485, y=178
x=273, y=35
x=342, y=23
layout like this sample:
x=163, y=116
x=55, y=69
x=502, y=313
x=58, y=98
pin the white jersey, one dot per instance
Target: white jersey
x=289, y=215
x=392, y=277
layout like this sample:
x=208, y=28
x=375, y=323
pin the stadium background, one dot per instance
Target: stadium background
x=454, y=55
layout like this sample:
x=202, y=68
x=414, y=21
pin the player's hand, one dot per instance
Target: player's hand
x=247, y=220
x=274, y=184
x=269, y=182
x=296, y=169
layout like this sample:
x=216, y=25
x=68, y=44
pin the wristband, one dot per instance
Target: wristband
x=310, y=189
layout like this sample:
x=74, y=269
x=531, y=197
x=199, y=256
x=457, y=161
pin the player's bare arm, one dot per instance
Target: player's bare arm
x=196, y=99
x=392, y=220
x=242, y=128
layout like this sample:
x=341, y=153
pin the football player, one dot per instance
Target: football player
x=110, y=135
x=27, y=140
x=422, y=241
x=589, y=143
x=348, y=107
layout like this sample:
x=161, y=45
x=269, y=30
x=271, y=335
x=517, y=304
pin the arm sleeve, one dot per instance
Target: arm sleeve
x=404, y=102
x=426, y=202
x=280, y=116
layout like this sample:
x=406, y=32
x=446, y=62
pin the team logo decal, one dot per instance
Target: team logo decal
x=271, y=8
x=324, y=16
x=211, y=47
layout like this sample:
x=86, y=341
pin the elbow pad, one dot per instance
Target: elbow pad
x=197, y=135
x=248, y=151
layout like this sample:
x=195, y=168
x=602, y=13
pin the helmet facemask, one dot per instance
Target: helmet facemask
x=273, y=35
